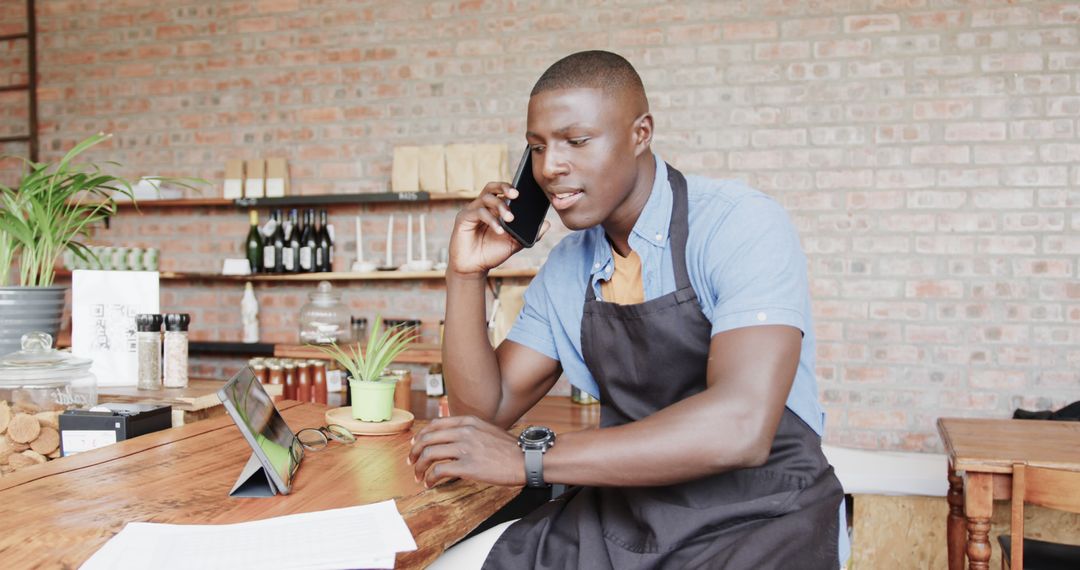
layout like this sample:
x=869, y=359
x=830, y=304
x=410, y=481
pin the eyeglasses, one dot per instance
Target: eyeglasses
x=316, y=439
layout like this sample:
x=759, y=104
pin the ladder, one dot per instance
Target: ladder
x=30, y=36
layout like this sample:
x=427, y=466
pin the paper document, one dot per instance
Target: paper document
x=367, y=536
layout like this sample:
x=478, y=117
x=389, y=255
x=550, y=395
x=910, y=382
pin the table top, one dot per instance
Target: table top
x=200, y=394
x=993, y=445
x=61, y=512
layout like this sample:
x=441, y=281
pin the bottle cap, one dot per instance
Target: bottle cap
x=148, y=322
x=177, y=322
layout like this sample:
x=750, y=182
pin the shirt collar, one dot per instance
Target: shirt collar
x=651, y=226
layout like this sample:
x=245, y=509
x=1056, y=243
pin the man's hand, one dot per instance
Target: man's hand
x=469, y=448
x=478, y=243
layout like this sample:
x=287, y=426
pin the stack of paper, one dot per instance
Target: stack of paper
x=368, y=536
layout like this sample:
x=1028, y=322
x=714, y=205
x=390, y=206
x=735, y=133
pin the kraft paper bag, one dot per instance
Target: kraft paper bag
x=277, y=177
x=255, y=183
x=489, y=165
x=433, y=168
x=103, y=309
x=459, y=168
x=234, y=180
x=405, y=174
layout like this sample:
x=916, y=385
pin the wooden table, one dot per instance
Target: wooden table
x=60, y=513
x=981, y=455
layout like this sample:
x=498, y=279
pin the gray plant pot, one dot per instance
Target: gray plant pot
x=28, y=309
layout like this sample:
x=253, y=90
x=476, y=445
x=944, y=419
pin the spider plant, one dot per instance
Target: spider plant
x=383, y=346
x=54, y=206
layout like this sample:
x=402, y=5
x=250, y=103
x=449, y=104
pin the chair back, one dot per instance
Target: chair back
x=1043, y=486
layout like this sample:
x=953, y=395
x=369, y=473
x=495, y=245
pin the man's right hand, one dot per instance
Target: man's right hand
x=478, y=243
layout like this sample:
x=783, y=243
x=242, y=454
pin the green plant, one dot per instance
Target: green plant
x=383, y=346
x=54, y=206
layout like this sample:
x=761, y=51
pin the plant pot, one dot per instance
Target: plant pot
x=28, y=309
x=373, y=401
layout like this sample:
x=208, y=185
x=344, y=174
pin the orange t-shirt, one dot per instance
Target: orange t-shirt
x=625, y=286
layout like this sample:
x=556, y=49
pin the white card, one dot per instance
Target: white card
x=103, y=309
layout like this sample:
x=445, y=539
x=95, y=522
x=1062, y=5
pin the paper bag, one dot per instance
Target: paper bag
x=489, y=165
x=459, y=168
x=103, y=309
x=433, y=168
x=234, y=180
x=277, y=178
x=405, y=175
x=255, y=183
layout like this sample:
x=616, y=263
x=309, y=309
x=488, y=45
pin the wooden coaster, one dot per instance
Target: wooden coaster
x=399, y=421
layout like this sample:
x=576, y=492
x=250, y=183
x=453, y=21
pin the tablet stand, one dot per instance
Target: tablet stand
x=253, y=481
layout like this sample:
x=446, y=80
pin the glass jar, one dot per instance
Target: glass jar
x=324, y=319
x=176, y=350
x=148, y=349
x=43, y=379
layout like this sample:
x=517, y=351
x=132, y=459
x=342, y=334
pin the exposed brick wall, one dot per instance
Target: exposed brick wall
x=926, y=149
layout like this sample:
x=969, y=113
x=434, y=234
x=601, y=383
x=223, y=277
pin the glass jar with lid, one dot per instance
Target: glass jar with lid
x=42, y=378
x=324, y=319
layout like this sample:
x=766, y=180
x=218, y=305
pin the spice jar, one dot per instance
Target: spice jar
x=324, y=319
x=148, y=348
x=275, y=374
x=289, y=392
x=303, y=381
x=359, y=329
x=319, y=392
x=176, y=350
x=403, y=388
x=258, y=368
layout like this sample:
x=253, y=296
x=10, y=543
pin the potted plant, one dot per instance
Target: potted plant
x=372, y=390
x=53, y=208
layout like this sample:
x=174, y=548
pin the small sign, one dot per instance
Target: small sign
x=103, y=309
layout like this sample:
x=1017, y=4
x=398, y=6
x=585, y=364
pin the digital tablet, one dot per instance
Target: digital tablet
x=270, y=438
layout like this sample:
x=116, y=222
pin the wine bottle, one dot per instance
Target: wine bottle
x=253, y=244
x=307, y=243
x=278, y=240
x=326, y=244
x=271, y=254
x=290, y=256
x=319, y=256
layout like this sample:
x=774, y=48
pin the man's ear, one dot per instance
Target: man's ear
x=643, y=133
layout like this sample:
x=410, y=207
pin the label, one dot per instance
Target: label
x=305, y=258
x=434, y=384
x=334, y=382
x=318, y=257
x=268, y=257
x=78, y=441
x=287, y=258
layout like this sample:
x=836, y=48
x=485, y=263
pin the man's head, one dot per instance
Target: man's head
x=590, y=129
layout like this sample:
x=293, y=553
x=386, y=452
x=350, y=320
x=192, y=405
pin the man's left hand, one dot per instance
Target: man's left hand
x=469, y=448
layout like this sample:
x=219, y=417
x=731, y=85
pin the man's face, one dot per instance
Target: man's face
x=583, y=153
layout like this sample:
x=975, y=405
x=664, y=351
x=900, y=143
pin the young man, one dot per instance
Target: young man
x=683, y=304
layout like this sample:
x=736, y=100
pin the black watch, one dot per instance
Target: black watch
x=535, y=441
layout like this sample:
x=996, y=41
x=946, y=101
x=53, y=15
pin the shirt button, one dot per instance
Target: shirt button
x=761, y=317
x=596, y=265
x=660, y=237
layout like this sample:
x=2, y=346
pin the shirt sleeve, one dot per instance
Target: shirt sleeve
x=532, y=328
x=757, y=268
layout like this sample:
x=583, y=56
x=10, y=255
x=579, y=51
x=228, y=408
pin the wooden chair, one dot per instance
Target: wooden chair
x=1052, y=488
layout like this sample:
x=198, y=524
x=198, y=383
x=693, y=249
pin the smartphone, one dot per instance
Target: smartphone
x=529, y=208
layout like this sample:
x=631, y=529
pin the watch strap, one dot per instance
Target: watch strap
x=534, y=468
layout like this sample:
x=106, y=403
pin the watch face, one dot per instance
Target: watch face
x=535, y=434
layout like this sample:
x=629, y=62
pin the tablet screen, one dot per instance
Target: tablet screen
x=254, y=413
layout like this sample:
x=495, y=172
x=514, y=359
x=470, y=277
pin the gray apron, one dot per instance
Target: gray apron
x=645, y=357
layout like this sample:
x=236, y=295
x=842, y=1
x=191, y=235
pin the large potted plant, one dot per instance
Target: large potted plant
x=52, y=209
x=372, y=389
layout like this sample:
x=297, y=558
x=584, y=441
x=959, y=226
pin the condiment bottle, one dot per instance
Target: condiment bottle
x=303, y=381
x=289, y=392
x=176, y=350
x=148, y=347
x=319, y=392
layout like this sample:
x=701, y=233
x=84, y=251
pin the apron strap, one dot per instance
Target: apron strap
x=678, y=227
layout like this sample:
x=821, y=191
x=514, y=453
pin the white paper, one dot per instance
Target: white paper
x=234, y=188
x=275, y=187
x=77, y=441
x=103, y=309
x=367, y=536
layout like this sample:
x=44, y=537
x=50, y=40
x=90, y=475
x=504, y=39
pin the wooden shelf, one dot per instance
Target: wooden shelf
x=418, y=353
x=328, y=200
x=333, y=276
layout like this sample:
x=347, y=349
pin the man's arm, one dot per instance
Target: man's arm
x=731, y=425
x=496, y=386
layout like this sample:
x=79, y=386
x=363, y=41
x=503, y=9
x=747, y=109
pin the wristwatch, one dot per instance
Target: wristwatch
x=534, y=441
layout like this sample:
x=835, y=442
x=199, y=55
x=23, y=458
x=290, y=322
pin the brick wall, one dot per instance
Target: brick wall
x=926, y=149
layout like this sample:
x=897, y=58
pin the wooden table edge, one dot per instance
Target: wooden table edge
x=122, y=449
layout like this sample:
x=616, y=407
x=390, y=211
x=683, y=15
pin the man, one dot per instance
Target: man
x=683, y=304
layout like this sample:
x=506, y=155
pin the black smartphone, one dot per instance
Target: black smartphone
x=529, y=208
